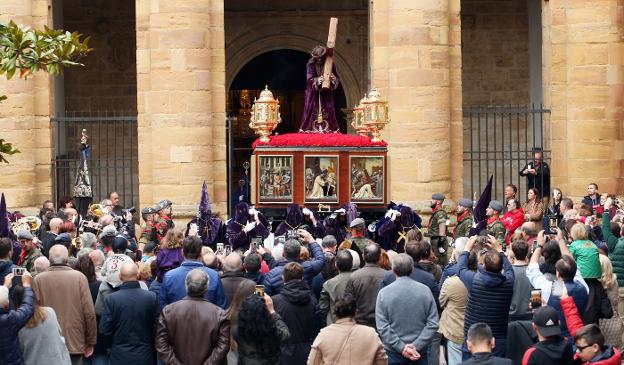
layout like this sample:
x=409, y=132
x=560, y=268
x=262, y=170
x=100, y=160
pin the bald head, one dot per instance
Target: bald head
x=55, y=224
x=106, y=220
x=196, y=283
x=233, y=263
x=42, y=264
x=129, y=272
x=58, y=255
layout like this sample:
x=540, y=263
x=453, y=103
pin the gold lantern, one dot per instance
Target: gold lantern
x=265, y=115
x=375, y=114
x=358, y=118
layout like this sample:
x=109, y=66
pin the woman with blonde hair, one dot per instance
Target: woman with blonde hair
x=40, y=339
x=170, y=253
x=611, y=327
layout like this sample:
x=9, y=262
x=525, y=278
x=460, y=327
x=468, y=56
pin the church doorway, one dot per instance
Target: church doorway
x=283, y=72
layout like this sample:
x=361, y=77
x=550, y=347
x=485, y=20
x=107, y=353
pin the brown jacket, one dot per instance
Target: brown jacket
x=535, y=214
x=346, y=342
x=453, y=300
x=193, y=331
x=67, y=292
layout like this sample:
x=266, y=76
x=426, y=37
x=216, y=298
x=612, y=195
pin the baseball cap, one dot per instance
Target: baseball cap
x=547, y=321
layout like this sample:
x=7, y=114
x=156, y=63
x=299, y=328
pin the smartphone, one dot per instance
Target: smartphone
x=554, y=223
x=228, y=249
x=219, y=247
x=557, y=288
x=536, y=298
x=260, y=291
x=18, y=271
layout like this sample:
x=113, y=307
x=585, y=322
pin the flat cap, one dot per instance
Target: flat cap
x=63, y=237
x=148, y=210
x=496, y=205
x=24, y=235
x=108, y=231
x=438, y=196
x=163, y=204
x=356, y=222
x=465, y=202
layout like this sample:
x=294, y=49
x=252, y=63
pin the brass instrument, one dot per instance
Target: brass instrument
x=30, y=223
x=96, y=210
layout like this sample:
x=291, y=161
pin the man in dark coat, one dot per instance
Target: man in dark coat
x=232, y=277
x=246, y=224
x=537, y=173
x=296, y=305
x=129, y=319
x=11, y=321
x=489, y=291
x=48, y=237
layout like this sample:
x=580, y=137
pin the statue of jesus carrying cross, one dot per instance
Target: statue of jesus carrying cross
x=319, y=113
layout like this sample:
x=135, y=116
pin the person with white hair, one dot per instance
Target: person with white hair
x=67, y=292
x=47, y=240
x=98, y=259
x=11, y=321
x=42, y=264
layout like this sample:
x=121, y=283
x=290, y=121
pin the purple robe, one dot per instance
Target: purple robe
x=311, y=106
x=234, y=233
x=167, y=259
x=389, y=230
x=214, y=227
x=294, y=217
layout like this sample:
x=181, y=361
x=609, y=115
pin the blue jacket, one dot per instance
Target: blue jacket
x=273, y=279
x=578, y=294
x=129, y=319
x=489, y=296
x=173, y=287
x=10, y=324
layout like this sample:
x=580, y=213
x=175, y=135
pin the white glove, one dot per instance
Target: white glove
x=307, y=211
x=341, y=211
x=389, y=213
x=249, y=227
x=253, y=211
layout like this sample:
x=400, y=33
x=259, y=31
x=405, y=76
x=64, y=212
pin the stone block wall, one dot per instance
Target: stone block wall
x=495, y=52
x=181, y=102
x=108, y=80
x=584, y=84
x=24, y=120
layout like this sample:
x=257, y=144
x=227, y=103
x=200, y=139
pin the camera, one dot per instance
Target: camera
x=130, y=210
x=292, y=234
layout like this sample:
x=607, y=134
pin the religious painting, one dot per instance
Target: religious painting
x=367, y=178
x=275, y=183
x=321, y=179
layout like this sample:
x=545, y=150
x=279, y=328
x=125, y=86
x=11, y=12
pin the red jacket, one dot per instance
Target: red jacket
x=575, y=323
x=512, y=221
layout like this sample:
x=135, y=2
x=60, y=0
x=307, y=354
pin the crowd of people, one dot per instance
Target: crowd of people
x=540, y=283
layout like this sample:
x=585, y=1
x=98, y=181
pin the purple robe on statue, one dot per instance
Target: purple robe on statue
x=311, y=107
x=234, y=233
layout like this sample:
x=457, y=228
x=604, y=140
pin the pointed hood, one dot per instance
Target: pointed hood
x=5, y=226
x=242, y=213
x=205, y=209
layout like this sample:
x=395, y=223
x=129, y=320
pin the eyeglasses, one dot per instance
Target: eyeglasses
x=581, y=348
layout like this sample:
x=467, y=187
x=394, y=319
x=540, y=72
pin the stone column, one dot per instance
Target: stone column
x=584, y=86
x=181, y=102
x=416, y=63
x=25, y=121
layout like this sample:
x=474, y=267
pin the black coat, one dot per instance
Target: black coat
x=47, y=241
x=486, y=358
x=296, y=305
x=129, y=319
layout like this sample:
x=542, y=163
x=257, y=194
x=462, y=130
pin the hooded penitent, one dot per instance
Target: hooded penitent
x=5, y=226
x=234, y=231
x=294, y=218
x=208, y=227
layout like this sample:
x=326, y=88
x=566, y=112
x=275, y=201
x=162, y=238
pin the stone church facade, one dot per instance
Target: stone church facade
x=172, y=64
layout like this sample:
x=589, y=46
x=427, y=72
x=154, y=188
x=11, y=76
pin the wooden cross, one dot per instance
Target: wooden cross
x=329, y=57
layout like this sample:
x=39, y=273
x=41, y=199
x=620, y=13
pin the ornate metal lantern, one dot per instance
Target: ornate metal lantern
x=265, y=115
x=358, y=118
x=375, y=114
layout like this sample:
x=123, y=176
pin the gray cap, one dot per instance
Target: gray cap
x=465, y=202
x=24, y=235
x=496, y=205
x=63, y=237
x=438, y=196
x=356, y=222
x=108, y=231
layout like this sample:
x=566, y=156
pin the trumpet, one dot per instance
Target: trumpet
x=30, y=223
x=96, y=210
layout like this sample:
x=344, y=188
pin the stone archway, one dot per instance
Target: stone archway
x=244, y=48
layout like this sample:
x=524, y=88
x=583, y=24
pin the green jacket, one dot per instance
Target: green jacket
x=585, y=253
x=616, y=249
x=463, y=227
x=497, y=229
x=29, y=260
x=437, y=218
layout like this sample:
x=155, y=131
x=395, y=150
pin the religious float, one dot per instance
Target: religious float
x=319, y=167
